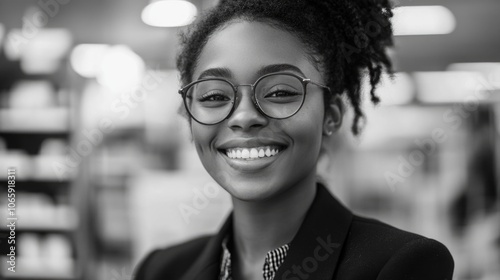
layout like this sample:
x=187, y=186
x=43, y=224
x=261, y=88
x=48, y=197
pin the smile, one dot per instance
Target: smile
x=253, y=153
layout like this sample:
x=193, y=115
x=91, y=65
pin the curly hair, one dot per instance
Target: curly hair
x=344, y=38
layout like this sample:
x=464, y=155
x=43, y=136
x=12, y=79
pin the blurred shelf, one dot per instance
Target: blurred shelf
x=43, y=219
x=11, y=72
x=40, y=273
x=55, y=119
x=34, y=277
x=30, y=141
x=37, y=277
x=42, y=134
x=63, y=229
x=46, y=186
x=36, y=139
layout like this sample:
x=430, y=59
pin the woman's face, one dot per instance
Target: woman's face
x=239, y=52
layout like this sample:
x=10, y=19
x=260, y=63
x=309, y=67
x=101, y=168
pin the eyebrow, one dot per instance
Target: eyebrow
x=226, y=73
x=278, y=68
x=216, y=72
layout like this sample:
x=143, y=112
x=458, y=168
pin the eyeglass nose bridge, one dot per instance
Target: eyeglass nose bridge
x=252, y=91
x=252, y=97
x=243, y=85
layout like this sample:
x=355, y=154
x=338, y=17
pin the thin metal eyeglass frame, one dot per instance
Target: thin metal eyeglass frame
x=304, y=81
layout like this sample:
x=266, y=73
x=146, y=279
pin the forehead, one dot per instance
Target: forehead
x=245, y=47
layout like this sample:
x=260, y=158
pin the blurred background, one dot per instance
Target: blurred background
x=106, y=170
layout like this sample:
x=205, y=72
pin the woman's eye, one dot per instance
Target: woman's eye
x=214, y=97
x=281, y=93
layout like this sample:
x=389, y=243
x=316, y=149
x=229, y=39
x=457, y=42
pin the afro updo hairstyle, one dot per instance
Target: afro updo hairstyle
x=345, y=37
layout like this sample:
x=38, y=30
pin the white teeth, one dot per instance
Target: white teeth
x=262, y=153
x=252, y=153
x=245, y=153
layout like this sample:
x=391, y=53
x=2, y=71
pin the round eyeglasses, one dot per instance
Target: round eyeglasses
x=276, y=95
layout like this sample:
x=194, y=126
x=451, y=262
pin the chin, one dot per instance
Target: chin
x=249, y=188
x=259, y=179
x=253, y=190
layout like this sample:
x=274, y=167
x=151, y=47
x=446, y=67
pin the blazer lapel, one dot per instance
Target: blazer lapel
x=207, y=266
x=314, y=251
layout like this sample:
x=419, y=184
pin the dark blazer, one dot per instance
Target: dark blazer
x=331, y=243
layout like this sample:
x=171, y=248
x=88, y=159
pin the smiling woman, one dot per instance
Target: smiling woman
x=259, y=49
x=262, y=87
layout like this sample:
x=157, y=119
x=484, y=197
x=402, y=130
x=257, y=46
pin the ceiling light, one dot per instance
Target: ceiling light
x=169, y=13
x=423, y=20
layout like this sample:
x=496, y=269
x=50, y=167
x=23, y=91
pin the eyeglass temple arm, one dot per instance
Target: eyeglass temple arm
x=320, y=85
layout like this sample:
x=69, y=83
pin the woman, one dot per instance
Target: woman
x=262, y=87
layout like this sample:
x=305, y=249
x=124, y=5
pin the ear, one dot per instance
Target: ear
x=333, y=116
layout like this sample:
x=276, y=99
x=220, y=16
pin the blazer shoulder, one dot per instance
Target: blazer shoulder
x=385, y=251
x=380, y=231
x=422, y=258
x=160, y=262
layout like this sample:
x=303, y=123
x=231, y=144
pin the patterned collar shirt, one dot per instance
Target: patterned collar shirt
x=274, y=259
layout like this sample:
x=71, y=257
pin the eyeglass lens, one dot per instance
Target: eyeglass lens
x=278, y=96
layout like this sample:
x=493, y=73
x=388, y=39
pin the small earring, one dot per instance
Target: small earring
x=329, y=132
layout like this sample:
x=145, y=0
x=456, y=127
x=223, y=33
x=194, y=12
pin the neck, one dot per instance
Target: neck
x=262, y=226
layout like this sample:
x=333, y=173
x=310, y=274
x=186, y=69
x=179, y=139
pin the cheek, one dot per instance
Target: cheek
x=308, y=123
x=305, y=130
x=203, y=137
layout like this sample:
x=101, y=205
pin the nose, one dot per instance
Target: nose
x=246, y=115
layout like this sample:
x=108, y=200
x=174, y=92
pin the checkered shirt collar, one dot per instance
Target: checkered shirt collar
x=274, y=259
